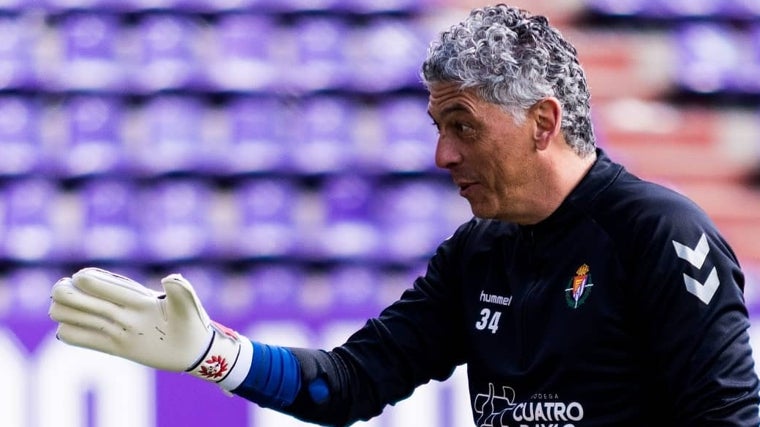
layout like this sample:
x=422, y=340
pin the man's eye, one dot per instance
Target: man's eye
x=463, y=128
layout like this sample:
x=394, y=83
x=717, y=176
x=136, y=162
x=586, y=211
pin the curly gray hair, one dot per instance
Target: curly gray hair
x=514, y=59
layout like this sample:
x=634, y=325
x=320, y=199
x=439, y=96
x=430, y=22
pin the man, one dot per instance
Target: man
x=578, y=295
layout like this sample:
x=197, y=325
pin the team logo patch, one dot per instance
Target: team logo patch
x=579, y=288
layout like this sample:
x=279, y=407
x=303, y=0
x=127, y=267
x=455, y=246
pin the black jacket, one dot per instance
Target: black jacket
x=623, y=308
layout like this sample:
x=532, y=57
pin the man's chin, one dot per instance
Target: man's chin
x=481, y=212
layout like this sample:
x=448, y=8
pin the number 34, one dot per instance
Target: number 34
x=489, y=320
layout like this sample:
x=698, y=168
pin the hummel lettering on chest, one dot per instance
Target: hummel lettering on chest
x=495, y=299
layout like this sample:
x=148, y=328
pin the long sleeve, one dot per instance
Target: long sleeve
x=416, y=339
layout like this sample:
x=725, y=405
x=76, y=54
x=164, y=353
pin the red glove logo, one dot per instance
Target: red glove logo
x=214, y=367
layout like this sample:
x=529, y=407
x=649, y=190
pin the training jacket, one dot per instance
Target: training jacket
x=625, y=307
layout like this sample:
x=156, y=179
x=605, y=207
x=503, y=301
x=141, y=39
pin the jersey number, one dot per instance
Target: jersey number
x=488, y=320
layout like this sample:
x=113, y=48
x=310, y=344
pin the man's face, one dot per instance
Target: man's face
x=491, y=158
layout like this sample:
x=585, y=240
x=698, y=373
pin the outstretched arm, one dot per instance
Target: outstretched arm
x=381, y=363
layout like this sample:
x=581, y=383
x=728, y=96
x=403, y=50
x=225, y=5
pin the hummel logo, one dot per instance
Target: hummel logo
x=696, y=257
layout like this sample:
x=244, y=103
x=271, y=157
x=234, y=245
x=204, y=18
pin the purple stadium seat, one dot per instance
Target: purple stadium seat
x=18, y=69
x=689, y=8
x=170, y=136
x=109, y=230
x=168, y=54
x=348, y=231
x=22, y=152
x=386, y=55
x=148, y=6
x=618, y=7
x=408, y=138
x=709, y=58
x=89, y=54
x=266, y=226
x=176, y=221
x=185, y=6
x=347, y=196
x=18, y=5
x=69, y=6
x=276, y=289
x=254, y=136
x=416, y=216
x=245, y=53
x=383, y=6
x=354, y=289
x=299, y=6
x=746, y=9
x=323, y=137
x=219, y=6
x=26, y=291
x=91, y=142
x=321, y=58
x=662, y=9
x=678, y=9
x=32, y=221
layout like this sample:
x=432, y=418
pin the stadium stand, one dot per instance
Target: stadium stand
x=303, y=93
x=279, y=150
x=299, y=99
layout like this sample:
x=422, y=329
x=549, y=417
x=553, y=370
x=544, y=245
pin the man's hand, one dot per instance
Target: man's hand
x=171, y=331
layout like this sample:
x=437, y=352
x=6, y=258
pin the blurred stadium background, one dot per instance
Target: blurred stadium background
x=278, y=153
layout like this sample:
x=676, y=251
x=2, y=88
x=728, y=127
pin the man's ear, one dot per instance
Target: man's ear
x=546, y=115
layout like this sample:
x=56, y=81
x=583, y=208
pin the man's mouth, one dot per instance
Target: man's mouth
x=464, y=186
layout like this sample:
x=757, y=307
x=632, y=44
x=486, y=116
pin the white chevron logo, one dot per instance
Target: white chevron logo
x=696, y=257
x=703, y=291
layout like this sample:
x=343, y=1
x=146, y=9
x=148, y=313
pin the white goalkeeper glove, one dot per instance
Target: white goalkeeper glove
x=171, y=331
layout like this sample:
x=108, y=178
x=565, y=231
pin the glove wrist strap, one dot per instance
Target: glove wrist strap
x=222, y=354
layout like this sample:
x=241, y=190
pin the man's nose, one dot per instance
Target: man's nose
x=446, y=154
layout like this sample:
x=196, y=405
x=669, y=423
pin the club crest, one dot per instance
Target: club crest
x=579, y=287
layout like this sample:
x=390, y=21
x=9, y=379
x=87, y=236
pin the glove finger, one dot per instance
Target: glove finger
x=85, y=337
x=70, y=316
x=182, y=301
x=112, y=287
x=64, y=293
